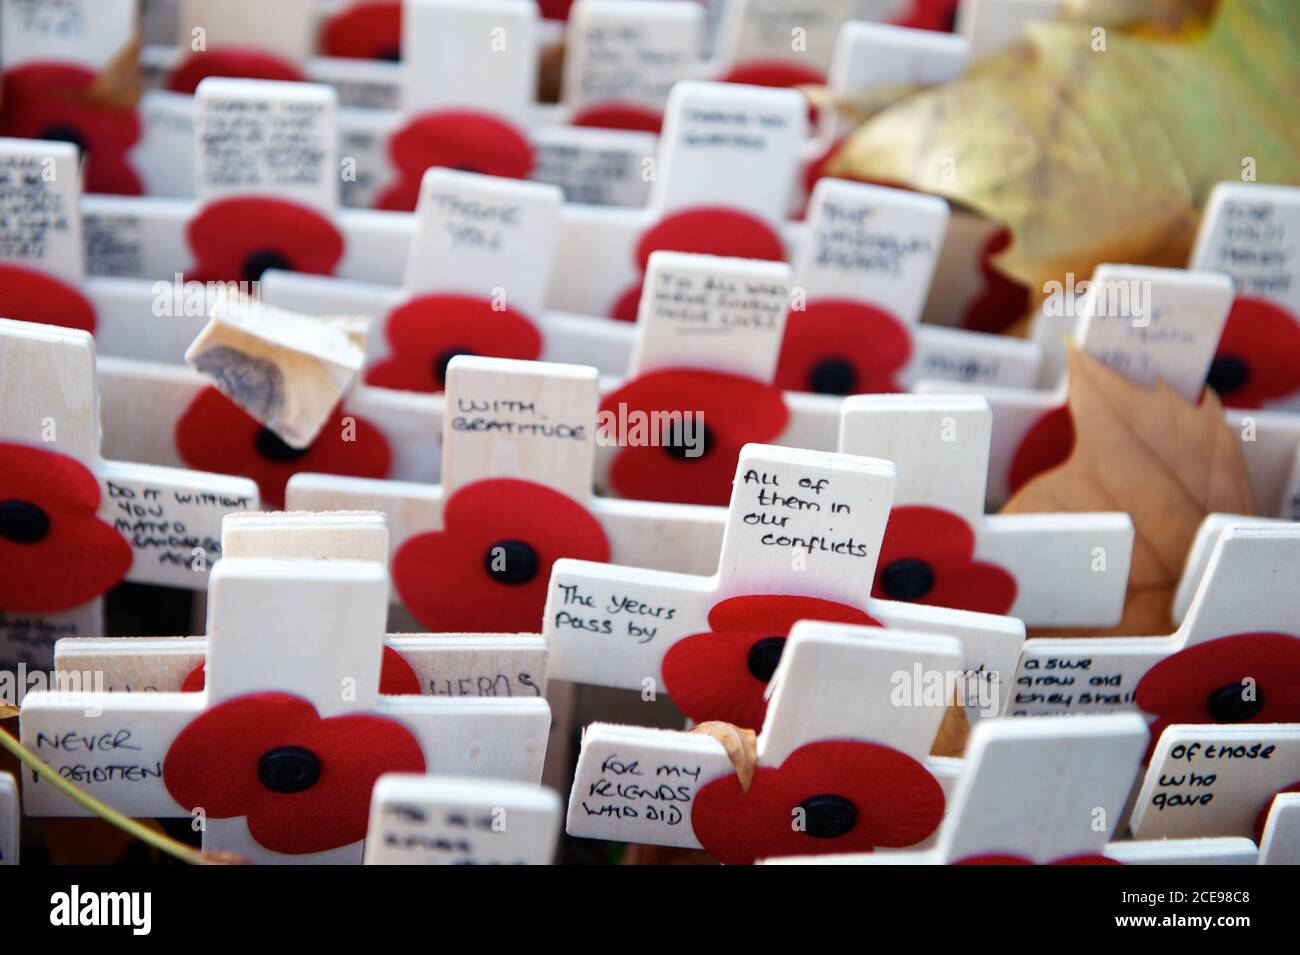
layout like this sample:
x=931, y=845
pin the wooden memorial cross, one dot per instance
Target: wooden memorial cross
x=432, y=820
x=1148, y=324
x=1252, y=233
x=9, y=820
x=840, y=768
x=1233, y=659
x=622, y=59
x=783, y=43
x=1034, y=792
x=1281, y=841
x=509, y=668
x=802, y=541
x=240, y=39
x=1050, y=570
x=1215, y=781
x=863, y=272
x=475, y=552
x=707, y=345
x=73, y=524
x=278, y=754
x=52, y=53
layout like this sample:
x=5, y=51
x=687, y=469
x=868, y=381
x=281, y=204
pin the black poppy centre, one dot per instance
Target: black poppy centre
x=23, y=522
x=264, y=260
x=828, y=816
x=443, y=359
x=512, y=562
x=64, y=133
x=274, y=448
x=676, y=442
x=763, y=657
x=833, y=375
x=1231, y=704
x=288, y=769
x=1228, y=373
x=907, y=579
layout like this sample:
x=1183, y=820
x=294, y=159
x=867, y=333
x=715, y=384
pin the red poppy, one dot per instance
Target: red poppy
x=1002, y=300
x=1046, y=444
x=302, y=783
x=842, y=348
x=854, y=797
x=938, y=15
x=995, y=859
x=774, y=73
x=1204, y=683
x=56, y=553
x=730, y=412
x=365, y=30
x=235, y=63
x=1258, y=358
x=456, y=139
x=52, y=101
x=215, y=434
x=489, y=570
x=30, y=296
x=396, y=678
x=926, y=558
x=1261, y=820
x=620, y=116
x=236, y=240
x=554, y=9
x=704, y=231
x=723, y=674
x=426, y=333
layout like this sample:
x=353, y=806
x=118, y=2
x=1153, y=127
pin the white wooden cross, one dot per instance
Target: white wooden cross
x=1050, y=570
x=509, y=668
x=708, y=340
x=1252, y=233
x=803, y=539
x=842, y=759
x=519, y=439
x=1208, y=781
x=431, y=820
x=282, y=747
x=240, y=39
x=784, y=43
x=1232, y=660
x=622, y=59
x=1281, y=842
x=9, y=820
x=74, y=523
x=1148, y=324
x=1034, y=791
x=52, y=53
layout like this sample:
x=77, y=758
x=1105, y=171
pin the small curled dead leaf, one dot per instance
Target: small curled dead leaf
x=741, y=746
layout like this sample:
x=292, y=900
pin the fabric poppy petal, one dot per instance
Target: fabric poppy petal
x=424, y=333
x=1258, y=358
x=842, y=348
x=734, y=411
x=937, y=15
x=396, y=678
x=1002, y=301
x=710, y=676
x=456, y=139
x=52, y=101
x=774, y=73
x=61, y=554
x=354, y=751
x=235, y=240
x=215, y=434
x=711, y=230
x=630, y=116
x=30, y=296
x=370, y=30
x=235, y=63
x=1047, y=444
x=554, y=9
x=445, y=579
x=1178, y=689
x=972, y=585
x=896, y=800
